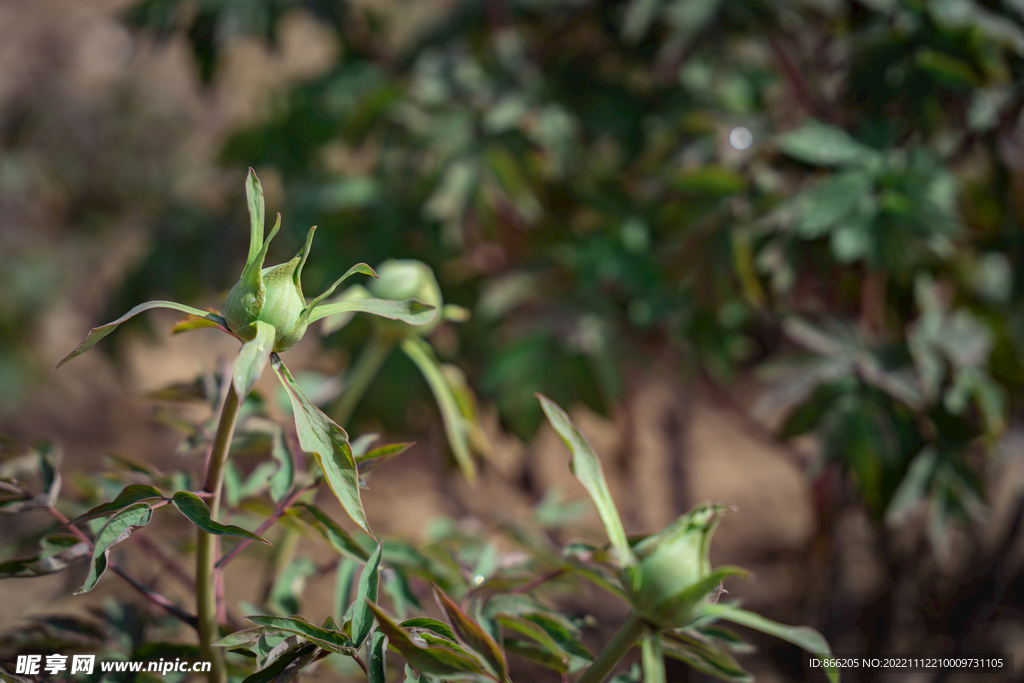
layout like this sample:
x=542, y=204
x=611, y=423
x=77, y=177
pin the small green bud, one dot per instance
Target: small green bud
x=407, y=279
x=270, y=295
x=672, y=581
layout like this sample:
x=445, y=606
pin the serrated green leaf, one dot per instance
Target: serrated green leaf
x=197, y=512
x=130, y=494
x=801, y=636
x=328, y=443
x=366, y=592
x=98, y=333
x=118, y=527
x=587, y=468
x=332, y=640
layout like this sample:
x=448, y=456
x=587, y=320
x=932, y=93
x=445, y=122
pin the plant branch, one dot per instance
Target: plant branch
x=543, y=578
x=206, y=544
x=279, y=511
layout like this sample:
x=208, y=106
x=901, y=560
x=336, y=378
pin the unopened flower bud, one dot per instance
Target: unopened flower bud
x=407, y=279
x=672, y=581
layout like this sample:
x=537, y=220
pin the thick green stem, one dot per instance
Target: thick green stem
x=206, y=544
x=615, y=650
x=358, y=379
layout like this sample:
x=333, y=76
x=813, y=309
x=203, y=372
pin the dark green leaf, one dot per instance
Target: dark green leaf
x=332, y=640
x=129, y=495
x=193, y=507
x=118, y=527
x=366, y=592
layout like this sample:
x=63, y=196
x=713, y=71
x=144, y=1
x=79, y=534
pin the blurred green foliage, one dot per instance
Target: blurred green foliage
x=818, y=190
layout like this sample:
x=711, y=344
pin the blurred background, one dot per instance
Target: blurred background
x=769, y=252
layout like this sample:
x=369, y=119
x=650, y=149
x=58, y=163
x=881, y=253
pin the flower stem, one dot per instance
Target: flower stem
x=358, y=379
x=621, y=643
x=206, y=544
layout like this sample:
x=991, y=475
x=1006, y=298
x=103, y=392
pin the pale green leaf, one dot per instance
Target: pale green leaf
x=328, y=443
x=455, y=427
x=252, y=359
x=409, y=311
x=98, y=333
x=587, y=468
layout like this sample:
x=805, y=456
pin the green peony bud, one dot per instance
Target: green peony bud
x=271, y=295
x=672, y=581
x=407, y=279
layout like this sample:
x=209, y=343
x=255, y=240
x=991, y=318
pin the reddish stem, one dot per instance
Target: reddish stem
x=279, y=511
